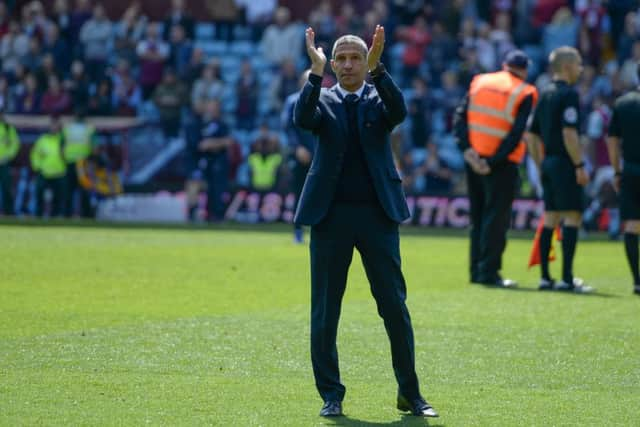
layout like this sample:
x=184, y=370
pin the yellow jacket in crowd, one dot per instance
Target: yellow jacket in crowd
x=78, y=141
x=9, y=143
x=47, y=158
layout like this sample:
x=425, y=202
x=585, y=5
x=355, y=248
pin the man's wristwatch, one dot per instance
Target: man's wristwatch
x=380, y=68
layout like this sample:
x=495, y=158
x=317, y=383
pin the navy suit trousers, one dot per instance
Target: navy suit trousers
x=367, y=228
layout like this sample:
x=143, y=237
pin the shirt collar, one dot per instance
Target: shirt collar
x=345, y=92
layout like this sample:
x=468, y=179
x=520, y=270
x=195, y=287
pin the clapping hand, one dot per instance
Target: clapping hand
x=316, y=55
x=377, y=45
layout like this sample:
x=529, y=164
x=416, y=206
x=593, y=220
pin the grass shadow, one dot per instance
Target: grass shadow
x=405, y=420
x=536, y=290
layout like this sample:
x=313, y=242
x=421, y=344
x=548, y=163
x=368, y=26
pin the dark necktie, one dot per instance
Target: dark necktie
x=352, y=98
x=351, y=102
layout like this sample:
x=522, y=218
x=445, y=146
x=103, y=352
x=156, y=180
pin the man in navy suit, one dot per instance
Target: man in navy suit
x=352, y=197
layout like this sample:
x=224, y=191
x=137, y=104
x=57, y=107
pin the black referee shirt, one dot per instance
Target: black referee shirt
x=558, y=108
x=625, y=124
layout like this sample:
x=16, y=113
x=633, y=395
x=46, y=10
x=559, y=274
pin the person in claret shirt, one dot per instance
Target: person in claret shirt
x=152, y=53
x=417, y=39
x=55, y=100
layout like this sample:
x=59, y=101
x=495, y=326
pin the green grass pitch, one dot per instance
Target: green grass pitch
x=103, y=326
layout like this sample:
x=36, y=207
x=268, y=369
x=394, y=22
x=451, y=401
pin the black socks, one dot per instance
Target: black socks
x=545, y=247
x=569, y=241
x=631, y=248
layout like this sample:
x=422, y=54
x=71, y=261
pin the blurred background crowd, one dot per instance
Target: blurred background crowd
x=185, y=76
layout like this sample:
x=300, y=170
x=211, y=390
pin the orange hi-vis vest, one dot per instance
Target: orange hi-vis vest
x=494, y=99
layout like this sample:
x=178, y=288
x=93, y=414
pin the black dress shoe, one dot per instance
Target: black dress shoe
x=418, y=407
x=331, y=408
x=498, y=282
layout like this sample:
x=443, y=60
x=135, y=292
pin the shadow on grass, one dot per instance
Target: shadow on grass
x=536, y=290
x=405, y=420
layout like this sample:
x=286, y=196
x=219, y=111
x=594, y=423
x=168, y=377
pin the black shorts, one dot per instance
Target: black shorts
x=630, y=197
x=561, y=191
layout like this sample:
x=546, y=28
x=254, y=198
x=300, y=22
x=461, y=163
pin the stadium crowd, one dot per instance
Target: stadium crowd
x=178, y=72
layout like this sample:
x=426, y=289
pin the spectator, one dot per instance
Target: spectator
x=544, y=11
x=485, y=48
x=597, y=126
x=59, y=48
x=628, y=37
x=101, y=101
x=44, y=71
x=323, y=23
x=416, y=39
x=4, y=20
x=562, y=31
x=96, y=36
x=33, y=59
x=628, y=74
x=257, y=14
x=128, y=32
x=592, y=16
x=80, y=14
x=210, y=143
x=247, y=94
x=181, y=48
x=55, y=100
x=13, y=48
x=47, y=161
x=438, y=175
x=127, y=95
x=369, y=22
x=34, y=20
x=169, y=97
x=284, y=84
x=78, y=85
x=265, y=162
x=282, y=39
x=469, y=67
x=62, y=19
x=80, y=142
x=420, y=109
x=178, y=16
x=348, y=22
x=225, y=14
x=29, y=101
x=152, y=52
x=193, y=71
x=5, y=95
x=208, y=87
x=442, y=49
x=447, y=96
x=500, y=35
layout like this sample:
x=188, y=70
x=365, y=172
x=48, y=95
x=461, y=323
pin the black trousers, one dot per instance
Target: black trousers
x=58, y=188
x=6, y=192
x=72, y=187
x=490, y=200
x=368, y=229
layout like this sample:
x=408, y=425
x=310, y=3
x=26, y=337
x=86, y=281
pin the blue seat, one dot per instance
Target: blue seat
x=243, y=48
x=204, y=31
x=212, y=47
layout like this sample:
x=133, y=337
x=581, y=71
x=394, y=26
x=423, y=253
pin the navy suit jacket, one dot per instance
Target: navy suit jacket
x=322, y=111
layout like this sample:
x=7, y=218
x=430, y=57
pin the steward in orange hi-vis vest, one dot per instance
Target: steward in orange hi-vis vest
x=494, y=99
x=489, y=123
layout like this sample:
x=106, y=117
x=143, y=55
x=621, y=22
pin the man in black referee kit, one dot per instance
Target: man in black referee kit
x=555, y=147
x=624, y=132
